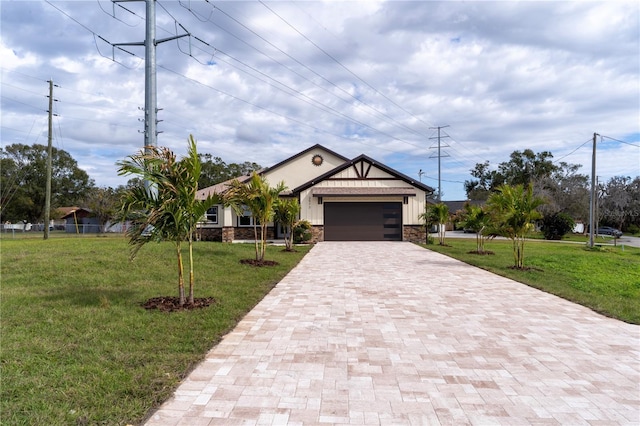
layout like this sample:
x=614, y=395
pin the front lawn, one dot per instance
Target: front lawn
x=77, y=348
x=605, y=279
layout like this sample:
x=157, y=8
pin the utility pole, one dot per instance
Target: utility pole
x=592, y=206
x=150, y=85
x=439, y=156
x=47, y=198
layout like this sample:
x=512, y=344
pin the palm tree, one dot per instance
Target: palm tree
x=259, y=198
x=167, y=208
x=513, y=210
x=476, y=219
x=437, y=213
x=286, y=213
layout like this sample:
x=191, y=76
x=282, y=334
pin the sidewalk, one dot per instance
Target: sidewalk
x=390, y=333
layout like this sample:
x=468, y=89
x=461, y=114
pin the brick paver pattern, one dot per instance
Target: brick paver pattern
x=389, y=333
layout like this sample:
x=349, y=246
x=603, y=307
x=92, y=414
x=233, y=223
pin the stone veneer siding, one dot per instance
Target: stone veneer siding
x=209, y=234
x=317, y=234
x=414, y=233
x=227, y=234
x=246, y=233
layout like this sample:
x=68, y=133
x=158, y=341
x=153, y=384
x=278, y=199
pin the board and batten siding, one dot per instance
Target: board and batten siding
x=314, y=212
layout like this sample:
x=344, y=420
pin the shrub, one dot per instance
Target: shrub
x=301, y=232
x=556, y=225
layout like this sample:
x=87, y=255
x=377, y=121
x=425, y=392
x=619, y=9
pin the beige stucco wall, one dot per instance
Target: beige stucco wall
x=301, y=170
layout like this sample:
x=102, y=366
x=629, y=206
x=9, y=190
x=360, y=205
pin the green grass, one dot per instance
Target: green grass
x=76, y=346
x=605, y=279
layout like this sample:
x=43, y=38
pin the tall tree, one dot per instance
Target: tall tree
x=514, y=211
x=523, y=168
x=104, y=203
x=168, y=209
x=215, y=170
x=23, y=177
x=565, y=191
x=620, y=204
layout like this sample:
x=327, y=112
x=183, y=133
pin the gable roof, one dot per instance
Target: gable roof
x=300, y=154
x=362, y=157
x=71, y=211
x=219, y=188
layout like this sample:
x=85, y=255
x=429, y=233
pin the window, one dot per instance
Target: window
x=212, y=214
x=245, y=219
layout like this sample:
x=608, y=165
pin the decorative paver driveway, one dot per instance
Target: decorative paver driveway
x=390, y=333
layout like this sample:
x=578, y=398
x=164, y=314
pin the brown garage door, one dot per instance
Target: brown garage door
x=362, y=221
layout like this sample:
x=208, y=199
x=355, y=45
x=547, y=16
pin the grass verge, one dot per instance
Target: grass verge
x=77, y=348
x=605, y=279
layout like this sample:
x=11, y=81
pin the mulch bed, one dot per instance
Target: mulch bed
x=172, y=304
x=526, y=268
x=259, y=263
x=482, y=253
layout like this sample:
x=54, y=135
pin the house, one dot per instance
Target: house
x=79, y=220
x=342, y=198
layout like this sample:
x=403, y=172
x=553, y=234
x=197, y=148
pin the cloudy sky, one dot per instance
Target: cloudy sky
x=260, y=81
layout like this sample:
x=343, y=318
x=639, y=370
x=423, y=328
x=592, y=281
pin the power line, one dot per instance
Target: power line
x=565, y=156
x=117, y=46
x=349, y=71
x=618, y=140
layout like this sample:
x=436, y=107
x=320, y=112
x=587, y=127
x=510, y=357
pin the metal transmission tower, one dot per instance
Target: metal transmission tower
x=150, y=86
x=439, y=156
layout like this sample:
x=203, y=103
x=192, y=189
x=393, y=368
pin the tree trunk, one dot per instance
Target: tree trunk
x=255, y=237
x=180, y=274
x=263, y=243
x=191, y=279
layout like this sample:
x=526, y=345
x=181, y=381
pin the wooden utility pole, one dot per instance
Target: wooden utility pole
x=592, y=206
x=47, y=200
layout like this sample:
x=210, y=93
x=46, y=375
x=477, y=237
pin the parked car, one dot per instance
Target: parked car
x=607, y=230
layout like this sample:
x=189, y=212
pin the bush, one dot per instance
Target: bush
x=301, y=232
x=556, y=225
x=633, y=229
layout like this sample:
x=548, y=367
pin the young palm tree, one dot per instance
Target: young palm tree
x=437, y=213
x=476, y=219
x=167, y=209
x=259, y=198
x=286, y=213
x=513, y=210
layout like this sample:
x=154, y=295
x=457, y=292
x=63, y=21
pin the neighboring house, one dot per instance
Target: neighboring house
x=343, y=199
x=79, y=220
x=457, y=206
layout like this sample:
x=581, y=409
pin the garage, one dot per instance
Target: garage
x=364, y=221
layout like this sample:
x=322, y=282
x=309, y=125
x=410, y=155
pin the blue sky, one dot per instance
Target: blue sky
x=260, y=81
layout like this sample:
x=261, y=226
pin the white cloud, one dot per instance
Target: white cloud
x=504, y=76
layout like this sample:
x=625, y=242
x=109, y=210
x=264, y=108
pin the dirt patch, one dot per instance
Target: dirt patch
x=172, y=304
x=259, y=263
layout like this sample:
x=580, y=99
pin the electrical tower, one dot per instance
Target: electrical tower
x=440, y=155
x=150, y=86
